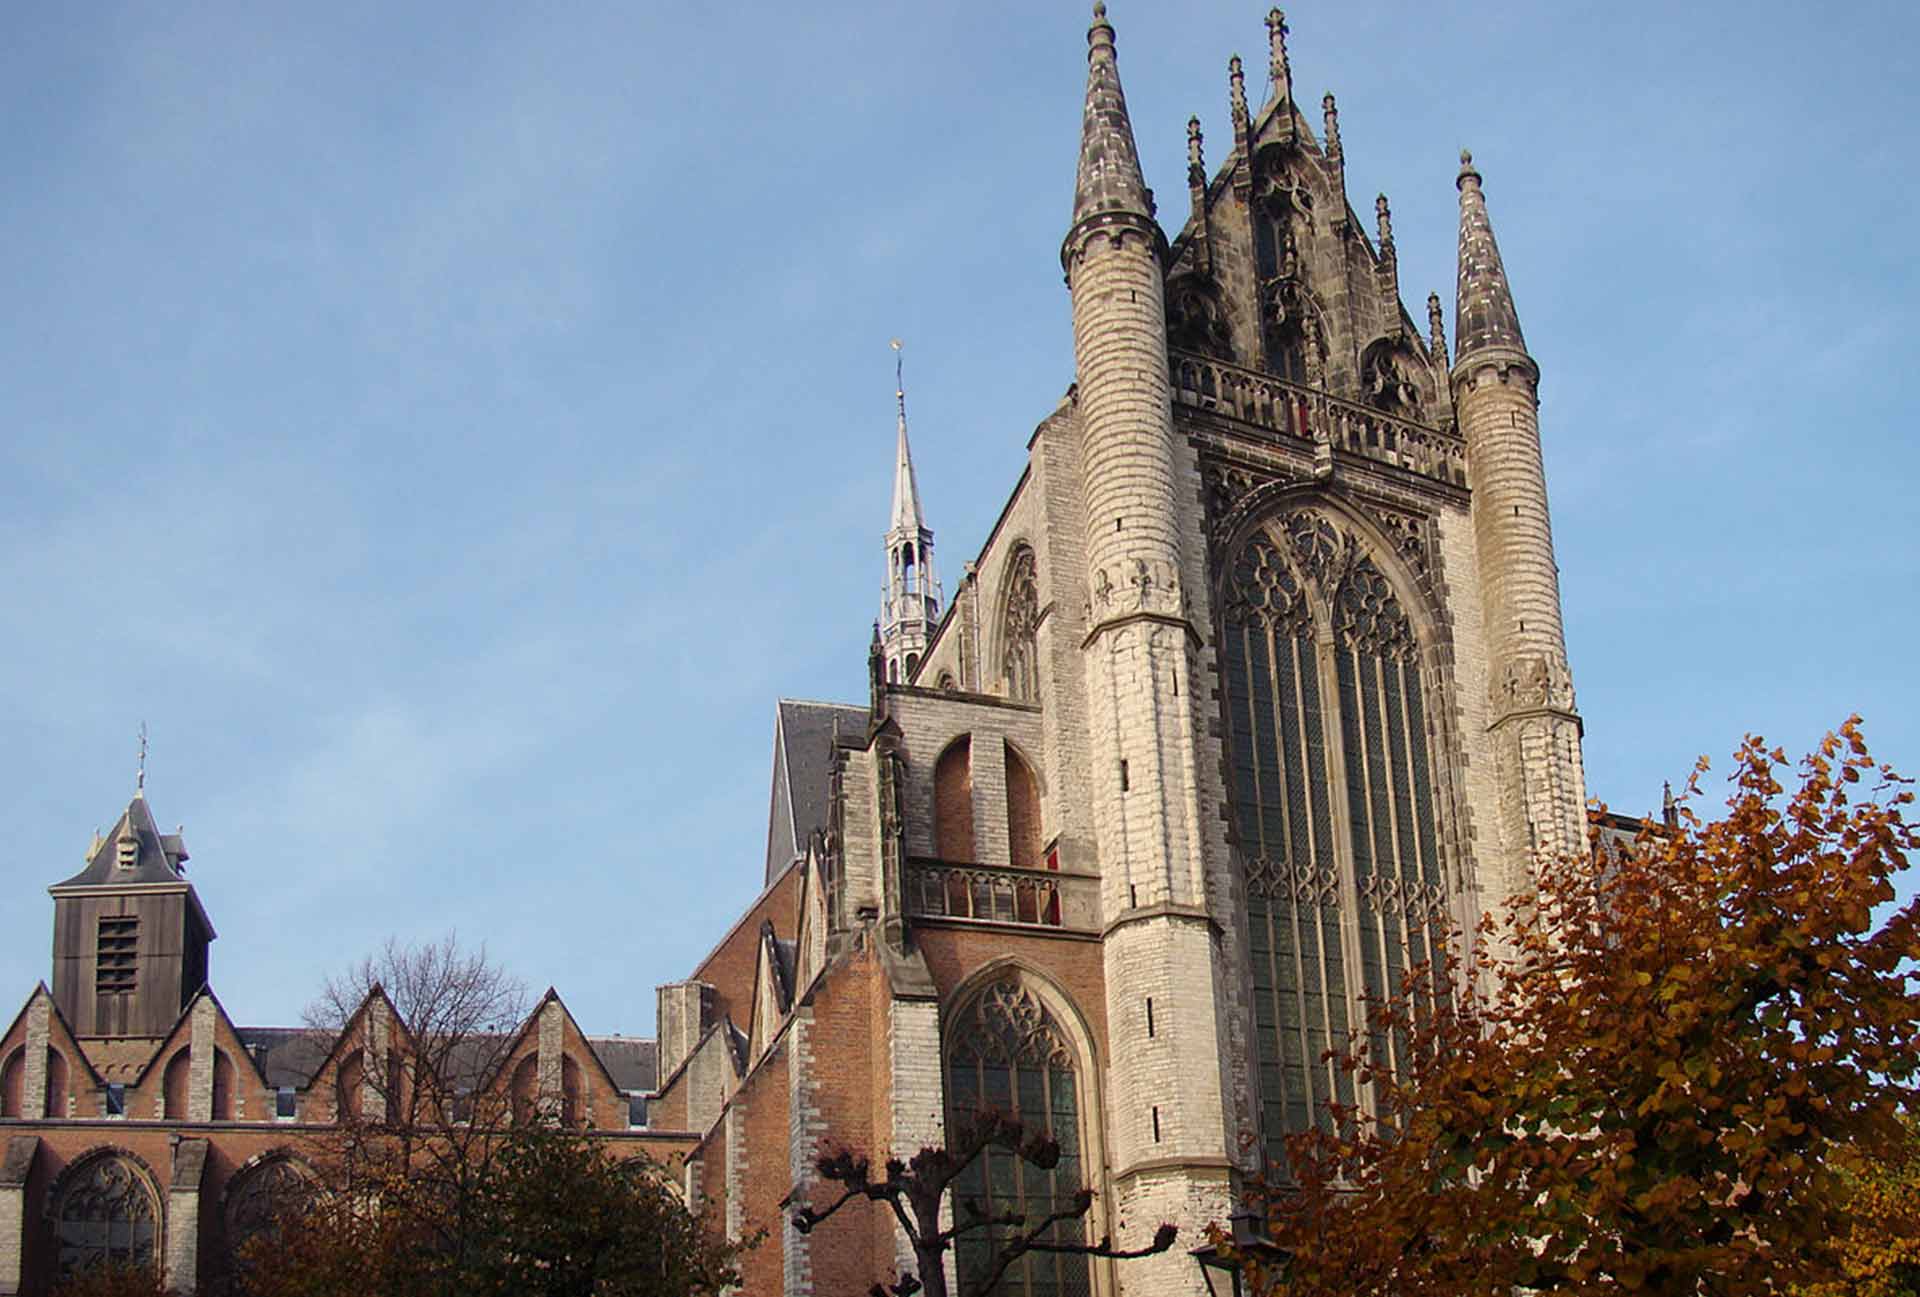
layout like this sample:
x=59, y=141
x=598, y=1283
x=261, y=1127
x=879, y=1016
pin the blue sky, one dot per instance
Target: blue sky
x=449, y=428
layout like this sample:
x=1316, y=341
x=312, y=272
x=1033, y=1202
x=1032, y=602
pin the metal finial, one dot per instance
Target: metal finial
x=1277, y=66
x=899, y=381
x=140, y=778
x=1467, y=170
x=1333, y=124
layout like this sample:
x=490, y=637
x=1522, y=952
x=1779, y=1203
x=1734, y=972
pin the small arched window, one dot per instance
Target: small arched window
x=1023, y=812
x=573, y=1093
x=524, y=1089
x=350, y=1084
x=222, y=1086
x=56, y=1083
x=13, y=1084
x=107, y=1211
x=174, y=1084
x=953, y=801
x=1007, y=1053
x=1019, y=623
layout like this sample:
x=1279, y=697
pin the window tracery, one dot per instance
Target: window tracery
x=107, y=1212
x=262, y=1196
x=1019, y=665
x=1332, y=790
x=1006, y=1052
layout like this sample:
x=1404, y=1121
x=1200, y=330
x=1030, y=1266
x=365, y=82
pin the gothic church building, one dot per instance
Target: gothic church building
x=1257, y=686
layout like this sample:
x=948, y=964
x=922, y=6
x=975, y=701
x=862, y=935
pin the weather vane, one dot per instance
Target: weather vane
x=140, y=778
x=899, y=383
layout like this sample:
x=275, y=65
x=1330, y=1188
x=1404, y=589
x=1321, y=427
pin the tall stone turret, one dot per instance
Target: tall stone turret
x=910, y=603
x=1165, y=1128
x=1531, y=714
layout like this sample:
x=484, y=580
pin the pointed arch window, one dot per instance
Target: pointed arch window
x=107, y=1211
x=1332, y=791
x=1023, y=811
x=13, y=1084
x=263, y=1196
x=953, y=801
x=1019, y=623
x=1007, y=1053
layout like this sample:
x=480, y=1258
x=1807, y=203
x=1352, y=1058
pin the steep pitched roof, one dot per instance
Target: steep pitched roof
x=907, y=518
x=157, y=860
x=803, y=737
x=1484, y=318
x=632, y=1062
x=1108, y=179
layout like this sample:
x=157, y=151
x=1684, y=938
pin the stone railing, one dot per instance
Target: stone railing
x=1278, y=406
x=1030, y=898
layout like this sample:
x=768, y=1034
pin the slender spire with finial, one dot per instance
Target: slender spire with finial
x=1331, y=115
x=1279, y=70
x=1383, y=221
x=1483, y=314
x=1237, y=102
x=906, y=488
x=1436, y=330
x=140, y=776
x=1197, y=191
x=1108, y=180
x=1669, y=809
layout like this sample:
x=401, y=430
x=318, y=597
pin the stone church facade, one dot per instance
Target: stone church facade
x=1257, y=687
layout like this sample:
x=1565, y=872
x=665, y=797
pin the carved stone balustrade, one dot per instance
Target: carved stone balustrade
x=1312, y=416
x=944, y=891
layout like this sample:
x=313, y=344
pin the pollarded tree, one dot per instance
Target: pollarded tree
x=1665, y=1073
x=916, y=1189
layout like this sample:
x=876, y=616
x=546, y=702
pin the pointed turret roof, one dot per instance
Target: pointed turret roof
x=156, y=856
x=1109, y=178
x=1484, y=318
x=906, y=488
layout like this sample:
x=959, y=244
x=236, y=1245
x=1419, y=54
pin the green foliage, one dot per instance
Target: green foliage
x=550, y=1214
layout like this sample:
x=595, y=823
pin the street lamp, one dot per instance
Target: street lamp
x=1248, y=1237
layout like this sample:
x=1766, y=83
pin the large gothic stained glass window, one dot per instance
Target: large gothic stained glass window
x=1007, y=1053
x=1333, y=799
x=107, y=1212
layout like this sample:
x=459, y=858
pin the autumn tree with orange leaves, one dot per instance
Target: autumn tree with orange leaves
x=1671, y=1070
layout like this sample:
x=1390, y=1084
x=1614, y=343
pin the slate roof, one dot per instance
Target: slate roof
x=1108, y=179
x=158, y=861
x=1484, y=318
x=286, y=1055
x=291, y=1055
x=803, y=737
x=633, y=1063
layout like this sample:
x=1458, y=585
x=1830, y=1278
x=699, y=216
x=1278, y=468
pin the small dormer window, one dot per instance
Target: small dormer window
x=129, y=849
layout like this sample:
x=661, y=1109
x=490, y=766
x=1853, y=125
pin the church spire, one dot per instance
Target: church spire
x=910, y=601
x=1108, y=182
x=1484, y=318
x=906, y=489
